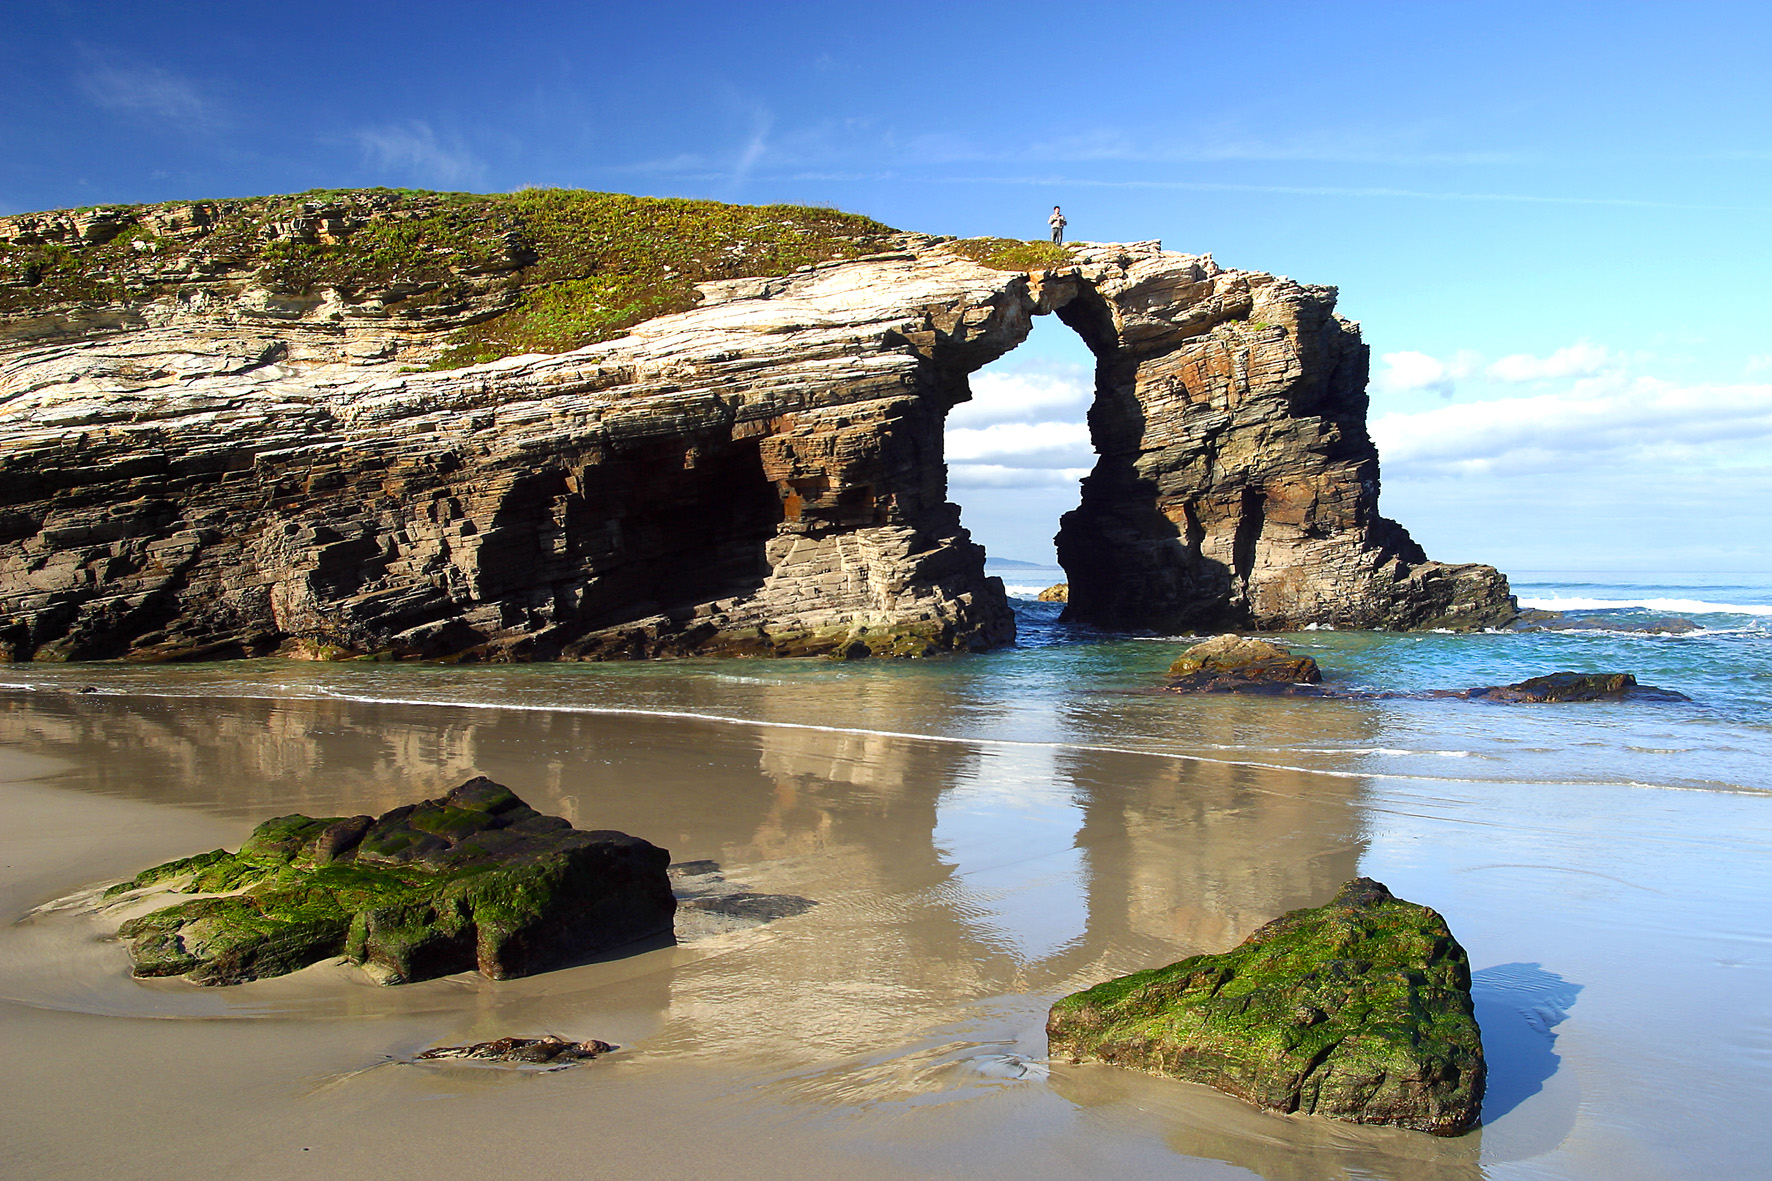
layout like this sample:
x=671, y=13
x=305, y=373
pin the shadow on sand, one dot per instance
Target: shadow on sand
x=1518, y=1008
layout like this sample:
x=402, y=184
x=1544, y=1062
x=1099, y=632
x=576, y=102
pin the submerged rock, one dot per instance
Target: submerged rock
x=521, y=1051
x=708, y=904
x=1573, y=686
x=1359, y=1010
x=475, y=880
x=1240, y=664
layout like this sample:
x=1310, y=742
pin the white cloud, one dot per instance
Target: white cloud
x=414, y=149
x=1025, y=397
x=1408, y=372
x=964, y=476
x=756, y=146
x=1599, y=422
x=1023, y=444
x=146, y=92
x=1580, y=359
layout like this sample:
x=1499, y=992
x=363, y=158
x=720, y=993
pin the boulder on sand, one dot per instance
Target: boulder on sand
x=476, y=879
x=1240, y=664
x=1359, y=1010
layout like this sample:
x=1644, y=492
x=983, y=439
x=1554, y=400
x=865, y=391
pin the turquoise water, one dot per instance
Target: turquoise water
x=1067, y=686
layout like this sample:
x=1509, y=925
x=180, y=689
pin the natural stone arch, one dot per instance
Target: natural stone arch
x=760, y=475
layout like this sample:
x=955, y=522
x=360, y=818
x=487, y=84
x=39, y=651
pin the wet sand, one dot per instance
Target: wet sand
x=895, y=1029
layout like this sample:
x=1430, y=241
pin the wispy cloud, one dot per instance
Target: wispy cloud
x=1580, y=359
x=1599, y=422
x=146, y=92
x=1025, y=397
x=1325, y=191
x=1411, y=372
x=755, y=147
x=1022, y=430
x=1023, y=444
x=412, y=148
x=964, y=476
x=860, y=150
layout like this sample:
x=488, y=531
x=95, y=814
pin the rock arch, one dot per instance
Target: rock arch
x=760, y=475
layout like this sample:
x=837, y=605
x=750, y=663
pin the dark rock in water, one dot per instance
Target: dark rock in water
x=1572, y=686
x=1359, y=1010
x=477, y=879
x=1538, y=620
x=1240, y=664
x=521, y=1051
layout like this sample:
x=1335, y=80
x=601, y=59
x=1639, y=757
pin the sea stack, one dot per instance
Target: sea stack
x=229, y=429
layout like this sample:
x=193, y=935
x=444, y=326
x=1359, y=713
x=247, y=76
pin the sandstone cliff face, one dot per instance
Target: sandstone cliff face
x=761, y=474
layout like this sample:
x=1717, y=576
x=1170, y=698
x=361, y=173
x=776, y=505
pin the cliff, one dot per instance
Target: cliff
x=207, y=449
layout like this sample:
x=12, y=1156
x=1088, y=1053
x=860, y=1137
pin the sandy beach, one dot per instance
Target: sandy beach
x=896, y=1028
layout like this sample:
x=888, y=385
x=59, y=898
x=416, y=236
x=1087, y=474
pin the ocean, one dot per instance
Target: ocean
x=981, y=834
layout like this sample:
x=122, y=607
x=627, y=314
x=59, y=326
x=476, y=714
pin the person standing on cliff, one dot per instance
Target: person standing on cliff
x=1057, y=222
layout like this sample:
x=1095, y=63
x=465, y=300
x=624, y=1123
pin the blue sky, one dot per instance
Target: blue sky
x=1550, y=219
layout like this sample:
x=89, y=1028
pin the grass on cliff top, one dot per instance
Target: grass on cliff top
x=538, y=270
x=1012, y=254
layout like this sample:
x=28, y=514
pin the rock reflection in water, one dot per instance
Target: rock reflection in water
x=945, y=871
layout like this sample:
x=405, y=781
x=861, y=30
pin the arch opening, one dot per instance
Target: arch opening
x=1017, y=451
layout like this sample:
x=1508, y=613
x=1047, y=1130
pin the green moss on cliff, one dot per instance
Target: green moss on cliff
x=1012, y=254
x=539, y=270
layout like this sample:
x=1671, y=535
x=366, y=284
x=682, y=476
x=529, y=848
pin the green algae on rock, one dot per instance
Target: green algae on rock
x=476, y=879
x=1359, y=1010
x=1240, y=664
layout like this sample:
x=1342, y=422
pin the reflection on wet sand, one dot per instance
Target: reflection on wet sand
x=946, y=874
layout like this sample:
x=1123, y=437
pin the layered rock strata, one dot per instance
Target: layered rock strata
x=760, y=475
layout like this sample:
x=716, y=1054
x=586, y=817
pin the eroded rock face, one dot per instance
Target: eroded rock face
x=474, y=880
x=761, y=475
x=1359, y=1010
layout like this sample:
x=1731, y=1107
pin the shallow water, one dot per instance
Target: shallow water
x=981, y=835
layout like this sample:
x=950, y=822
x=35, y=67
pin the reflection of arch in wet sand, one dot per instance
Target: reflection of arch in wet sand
x=1186, y=855
x=944, y=871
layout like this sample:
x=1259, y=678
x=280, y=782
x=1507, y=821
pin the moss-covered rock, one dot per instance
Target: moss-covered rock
x=476, y=879
x=1359, y=1010
x=1240, y=664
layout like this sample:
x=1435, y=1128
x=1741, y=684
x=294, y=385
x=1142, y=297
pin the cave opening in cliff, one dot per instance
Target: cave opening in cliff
x=1017, y=452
